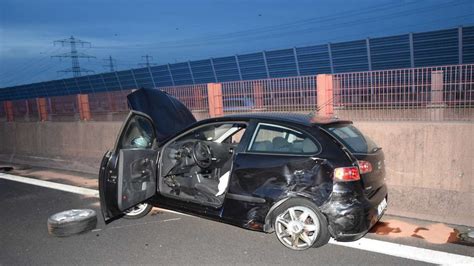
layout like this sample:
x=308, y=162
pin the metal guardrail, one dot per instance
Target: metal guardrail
x=444, y=93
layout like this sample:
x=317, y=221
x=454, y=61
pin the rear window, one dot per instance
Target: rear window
x=353, y=139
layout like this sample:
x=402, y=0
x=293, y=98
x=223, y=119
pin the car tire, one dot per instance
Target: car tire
x=138, y=211
x=299, y=225
x=72, y=222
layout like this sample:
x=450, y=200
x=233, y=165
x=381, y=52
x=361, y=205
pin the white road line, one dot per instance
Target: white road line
x=367, y=244
x=53, y=185
x=407, y=252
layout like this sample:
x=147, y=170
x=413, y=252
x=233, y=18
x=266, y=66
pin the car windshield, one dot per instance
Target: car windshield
x=215, y=132
x=353, y=139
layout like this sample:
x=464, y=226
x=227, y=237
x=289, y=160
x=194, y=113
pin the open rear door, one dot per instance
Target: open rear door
x=128, y=173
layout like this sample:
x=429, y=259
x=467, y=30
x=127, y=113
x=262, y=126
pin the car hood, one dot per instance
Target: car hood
x=169, y=115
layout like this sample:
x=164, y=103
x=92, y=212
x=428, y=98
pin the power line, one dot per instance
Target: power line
x=296, y=24
x=276, y=33
x=282, y=29
x=74, y=55
x=322, y=28
x=20, y=68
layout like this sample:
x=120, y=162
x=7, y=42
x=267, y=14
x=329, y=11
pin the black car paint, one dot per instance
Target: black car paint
x=260, y=182
x=169, y=116
x=110, y=189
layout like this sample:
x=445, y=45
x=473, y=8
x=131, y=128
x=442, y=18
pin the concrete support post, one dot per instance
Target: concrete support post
x=9, y=110
x=214, y=93
x=325, y=90
x=437, y=105
x=258, y=94
x=437, y=87
x=42, y=109
x=84, y=109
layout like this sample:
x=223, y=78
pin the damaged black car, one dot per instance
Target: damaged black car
x=305, y=178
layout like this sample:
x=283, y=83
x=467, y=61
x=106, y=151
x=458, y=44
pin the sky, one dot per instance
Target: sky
x=178, y=31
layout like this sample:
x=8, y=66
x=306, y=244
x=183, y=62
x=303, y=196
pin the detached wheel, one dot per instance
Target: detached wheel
x=72, y=222
x=138, y=211
x=299, y=225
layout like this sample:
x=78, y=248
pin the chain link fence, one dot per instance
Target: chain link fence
x=292, y=94
x=444, y=93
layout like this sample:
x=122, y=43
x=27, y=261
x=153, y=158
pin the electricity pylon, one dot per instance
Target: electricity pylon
x=74, y=55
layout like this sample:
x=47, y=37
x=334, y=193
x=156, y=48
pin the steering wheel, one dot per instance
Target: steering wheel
x=202, y=154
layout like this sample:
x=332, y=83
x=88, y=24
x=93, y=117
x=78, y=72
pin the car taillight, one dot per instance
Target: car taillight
x=365, y=167
x=346, y=174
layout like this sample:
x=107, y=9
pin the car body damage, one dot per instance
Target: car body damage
x=280, y=179
x=350, y=213
x=303, y=178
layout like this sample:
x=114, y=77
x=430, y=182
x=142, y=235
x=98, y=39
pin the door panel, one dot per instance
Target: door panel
x=136, y=177
x=128, y=173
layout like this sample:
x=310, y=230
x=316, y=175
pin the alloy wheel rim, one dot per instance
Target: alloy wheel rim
x=297, y=228
x=72, y=215
x=136, y=210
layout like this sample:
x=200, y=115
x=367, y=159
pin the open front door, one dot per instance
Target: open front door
x=128, y=173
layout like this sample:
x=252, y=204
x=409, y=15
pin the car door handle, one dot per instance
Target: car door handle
x=317, y=159
x=298, y=172
x=145, y=162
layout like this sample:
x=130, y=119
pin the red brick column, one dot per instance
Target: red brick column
x=8, y=105
x=325, y=90
x=214, y=93
x=42, y=109
x=83, y=104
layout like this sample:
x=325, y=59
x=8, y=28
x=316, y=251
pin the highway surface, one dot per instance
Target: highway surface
x=174, y=239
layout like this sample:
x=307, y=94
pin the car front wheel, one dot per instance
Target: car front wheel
x=299, y=225
x=138, y=211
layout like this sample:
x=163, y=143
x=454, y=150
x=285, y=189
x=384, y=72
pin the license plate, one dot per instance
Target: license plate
x=382, y=206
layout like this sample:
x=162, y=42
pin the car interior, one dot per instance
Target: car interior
x=196, y=166
x=274, y=139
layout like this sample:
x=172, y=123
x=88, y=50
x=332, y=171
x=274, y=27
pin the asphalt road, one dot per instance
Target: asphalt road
x=159, y=238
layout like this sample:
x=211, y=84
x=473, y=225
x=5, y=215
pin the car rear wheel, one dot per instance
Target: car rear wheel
x=299, y=225
x=138, y=211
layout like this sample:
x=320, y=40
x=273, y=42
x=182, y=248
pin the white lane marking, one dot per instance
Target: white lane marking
x=146, y=223
x=407, y=252
x=53, y=185
x=68, y=188
x=377, y=246
x=175, y=212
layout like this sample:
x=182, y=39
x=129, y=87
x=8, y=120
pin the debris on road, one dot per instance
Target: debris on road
x=72, y=222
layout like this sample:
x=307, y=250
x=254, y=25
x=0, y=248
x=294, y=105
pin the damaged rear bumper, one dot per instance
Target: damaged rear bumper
x=350, y=213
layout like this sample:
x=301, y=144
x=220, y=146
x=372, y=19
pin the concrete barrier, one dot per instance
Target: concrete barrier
x=430, y=166
x=76, y=146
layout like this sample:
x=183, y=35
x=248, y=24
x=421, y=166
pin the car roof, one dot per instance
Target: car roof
x=308, y=119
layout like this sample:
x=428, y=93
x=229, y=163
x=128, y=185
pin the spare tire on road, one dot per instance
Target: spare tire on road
x=72, y=222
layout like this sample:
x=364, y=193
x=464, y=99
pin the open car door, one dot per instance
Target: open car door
x=128, y=173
